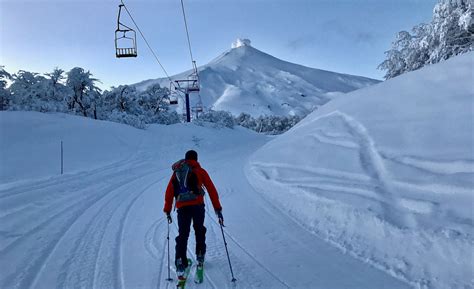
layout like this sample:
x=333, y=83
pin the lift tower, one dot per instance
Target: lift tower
x=187, y=86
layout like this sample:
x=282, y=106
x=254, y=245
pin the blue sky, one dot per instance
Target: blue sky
x=348, y=36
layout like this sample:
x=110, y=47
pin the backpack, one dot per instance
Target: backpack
x=185, y=183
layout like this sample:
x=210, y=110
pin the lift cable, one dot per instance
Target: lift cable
x=149, y=47
x=187, y=31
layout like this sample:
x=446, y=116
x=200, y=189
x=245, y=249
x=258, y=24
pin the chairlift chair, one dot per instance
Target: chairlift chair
x=125, y=34
x=173, y=99
x=198, y=108
x=193, y=86
x=190, y=84
x=193, y=79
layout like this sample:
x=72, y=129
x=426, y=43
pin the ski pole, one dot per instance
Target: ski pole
x=168, y=238
x=227, y=251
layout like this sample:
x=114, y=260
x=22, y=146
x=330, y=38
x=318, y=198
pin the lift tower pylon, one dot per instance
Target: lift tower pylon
x=187, y=86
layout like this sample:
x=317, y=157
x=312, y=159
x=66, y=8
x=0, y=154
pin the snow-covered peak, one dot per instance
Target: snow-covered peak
x=245, y=79
x=239, y=42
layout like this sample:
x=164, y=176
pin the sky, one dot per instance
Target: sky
x=347, y=36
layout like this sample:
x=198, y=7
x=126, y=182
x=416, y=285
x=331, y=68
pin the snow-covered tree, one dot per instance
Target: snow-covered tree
x=28, y=92
x=126, y=118
x=56, y=90
x=31, y=91
x=267, y=124
x=121, y=105
x=219, y=117
x=245, y=120
x=166, y=117
x=4, y=93
x=453, y=27
x=125, y=104
x=451, y=32
x=154, y=101
x=85, y=92
x=78, y=93
x=123, y=98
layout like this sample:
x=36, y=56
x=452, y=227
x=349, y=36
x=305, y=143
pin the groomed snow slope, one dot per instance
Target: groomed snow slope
x=103, y=227
x=387, y=174
x=245, y=79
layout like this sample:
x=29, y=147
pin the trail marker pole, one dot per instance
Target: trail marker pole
x=62, y=158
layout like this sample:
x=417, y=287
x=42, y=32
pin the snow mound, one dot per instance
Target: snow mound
x=386, y=173
x=239, y=42
x=30, y=144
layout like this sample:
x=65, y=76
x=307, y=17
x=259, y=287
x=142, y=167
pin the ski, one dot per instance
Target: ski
x=182, y=279
x=199, y=276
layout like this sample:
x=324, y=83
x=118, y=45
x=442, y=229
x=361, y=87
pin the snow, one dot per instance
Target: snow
x=100, y=225
x=245, y=79
x=386, y=173
x=31, y=151
x=372, y=190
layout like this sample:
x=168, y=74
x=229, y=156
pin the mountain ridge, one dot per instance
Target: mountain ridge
x=245, y=79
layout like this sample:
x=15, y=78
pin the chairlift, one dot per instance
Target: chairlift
x=191, y=83
x=198, y=108
x=186, y=86
x=125, y=35
x=193, y=79
x=173, y=99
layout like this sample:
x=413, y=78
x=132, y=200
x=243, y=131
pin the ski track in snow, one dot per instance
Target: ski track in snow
x=64, y=220
x=374, y=167
x=149, y=241
x=120, y=236
x=34, y=185
x=233, y=239
x=64, y=204
x=376, y=184
x=96, y=227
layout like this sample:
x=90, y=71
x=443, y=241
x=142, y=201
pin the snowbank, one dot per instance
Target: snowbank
x=386, y=173
x=30, y=144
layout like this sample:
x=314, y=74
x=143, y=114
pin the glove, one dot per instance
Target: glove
x=168, y=216
x=220, y=217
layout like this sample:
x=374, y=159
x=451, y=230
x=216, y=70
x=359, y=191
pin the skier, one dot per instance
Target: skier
x=186, y=185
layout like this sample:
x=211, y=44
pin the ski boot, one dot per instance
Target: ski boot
x=199, y=276
x=182, y=273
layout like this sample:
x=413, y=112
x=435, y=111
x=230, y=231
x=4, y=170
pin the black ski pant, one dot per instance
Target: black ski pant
x=186, y=215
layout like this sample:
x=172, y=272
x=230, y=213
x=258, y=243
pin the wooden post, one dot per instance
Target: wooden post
x=62, y=158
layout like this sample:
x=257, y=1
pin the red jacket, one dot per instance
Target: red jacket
x=203, y=180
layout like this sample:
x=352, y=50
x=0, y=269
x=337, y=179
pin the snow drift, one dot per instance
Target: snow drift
x=30, y=144
x=386, y=173
x=245, y=79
